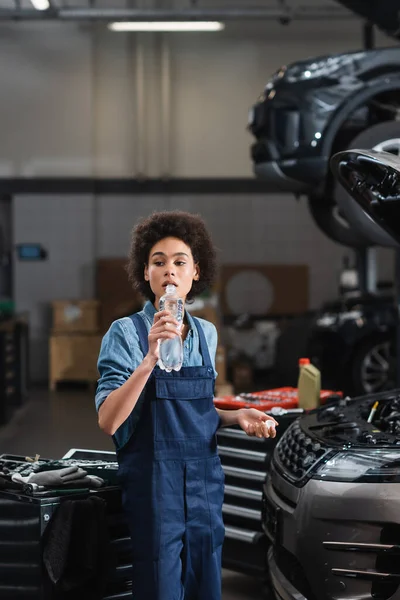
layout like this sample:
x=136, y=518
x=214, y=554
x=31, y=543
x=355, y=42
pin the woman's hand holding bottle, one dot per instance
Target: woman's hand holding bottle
x=164, y=327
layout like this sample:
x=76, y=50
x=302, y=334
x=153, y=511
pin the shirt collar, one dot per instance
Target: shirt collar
x=150, y=310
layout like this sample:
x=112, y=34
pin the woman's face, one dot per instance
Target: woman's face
x=170, y=262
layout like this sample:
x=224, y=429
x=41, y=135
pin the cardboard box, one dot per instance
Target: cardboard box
x=114, y=291
x=111, y=311
x=75, y=316
x=73, y=358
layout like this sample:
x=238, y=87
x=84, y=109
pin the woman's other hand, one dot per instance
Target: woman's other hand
x=256, y=423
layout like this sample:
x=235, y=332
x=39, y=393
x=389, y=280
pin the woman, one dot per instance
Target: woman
x=164, y=424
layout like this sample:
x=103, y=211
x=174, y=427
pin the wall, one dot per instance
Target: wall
x=73, y=103
x=64, y=226
x=75, y=230
x=72, y=95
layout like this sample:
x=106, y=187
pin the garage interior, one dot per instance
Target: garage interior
x=101, y=126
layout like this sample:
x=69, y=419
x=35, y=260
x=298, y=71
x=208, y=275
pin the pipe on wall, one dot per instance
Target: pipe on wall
x=133, y=14
x=140, y=95
x=165, y=78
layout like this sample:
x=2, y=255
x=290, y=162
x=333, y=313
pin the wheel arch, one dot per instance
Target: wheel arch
x=348, y=107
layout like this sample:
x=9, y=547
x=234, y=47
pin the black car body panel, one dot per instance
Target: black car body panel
x=304, y=106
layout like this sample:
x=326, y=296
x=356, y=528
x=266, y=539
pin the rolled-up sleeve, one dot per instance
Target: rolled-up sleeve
x=212, y=341
x=119, y=356
x=211, y=335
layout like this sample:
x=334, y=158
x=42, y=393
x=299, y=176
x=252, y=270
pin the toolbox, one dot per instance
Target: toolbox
x=265, y=400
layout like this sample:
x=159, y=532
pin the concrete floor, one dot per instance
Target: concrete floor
x=51, y=423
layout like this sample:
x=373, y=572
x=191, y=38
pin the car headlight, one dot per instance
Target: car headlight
x=362, y=466
x=329, y=319
x=323, y=67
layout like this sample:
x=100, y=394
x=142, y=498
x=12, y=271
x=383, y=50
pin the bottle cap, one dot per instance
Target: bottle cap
x=304, y=361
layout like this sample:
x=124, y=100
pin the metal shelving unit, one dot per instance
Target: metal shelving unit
x=245, y=463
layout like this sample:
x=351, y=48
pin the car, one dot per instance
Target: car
x=352, y=341
x=313, y=108
x=330, y=501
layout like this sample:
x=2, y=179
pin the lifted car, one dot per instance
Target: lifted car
x=311, y=109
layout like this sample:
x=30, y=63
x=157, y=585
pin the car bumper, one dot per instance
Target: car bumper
x=282, y=587
x=296, y=176
x=284, y=153
x=272, y=172
x=330, y=539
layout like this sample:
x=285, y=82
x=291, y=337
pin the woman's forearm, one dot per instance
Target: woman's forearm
x=228, y=417
x=119, y=404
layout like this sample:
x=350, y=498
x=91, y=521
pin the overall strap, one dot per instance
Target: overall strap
x=142, y=332
x=203, y=344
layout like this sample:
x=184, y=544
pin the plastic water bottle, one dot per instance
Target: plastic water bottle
x=171, y=351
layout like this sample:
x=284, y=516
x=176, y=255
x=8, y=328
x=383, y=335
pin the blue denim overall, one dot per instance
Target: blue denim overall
x=173, y=484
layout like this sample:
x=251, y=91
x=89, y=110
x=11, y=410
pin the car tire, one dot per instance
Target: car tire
x=384, y=136
x=368, y=371
x=333, y=224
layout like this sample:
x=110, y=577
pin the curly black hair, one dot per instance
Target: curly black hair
x=185, y=226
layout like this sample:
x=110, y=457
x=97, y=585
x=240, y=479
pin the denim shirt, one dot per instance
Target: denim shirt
x=120, y=354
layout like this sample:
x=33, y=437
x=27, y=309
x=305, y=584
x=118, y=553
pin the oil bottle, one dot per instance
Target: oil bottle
x=308, y=385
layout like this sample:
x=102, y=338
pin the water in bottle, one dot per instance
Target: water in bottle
x=171, y=350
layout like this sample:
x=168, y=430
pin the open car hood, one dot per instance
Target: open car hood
x=373, y=181
x=383, y=13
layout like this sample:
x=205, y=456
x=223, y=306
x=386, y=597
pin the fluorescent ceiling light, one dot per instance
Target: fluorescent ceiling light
x=41, y=4
x=166, y=26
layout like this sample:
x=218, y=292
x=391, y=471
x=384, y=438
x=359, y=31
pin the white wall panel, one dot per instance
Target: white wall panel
x=117, y=215
x=64, y=226
x=45, y=103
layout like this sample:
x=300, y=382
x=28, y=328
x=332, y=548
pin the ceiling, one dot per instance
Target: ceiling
x=271, y=7
x=384, y=13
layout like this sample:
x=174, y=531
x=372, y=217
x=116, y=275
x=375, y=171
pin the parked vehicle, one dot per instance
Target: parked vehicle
x=330, y=503
x=352, y=342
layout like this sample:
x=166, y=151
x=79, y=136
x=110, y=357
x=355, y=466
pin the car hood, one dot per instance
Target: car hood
x=373, y=181
x=344, y=67
x=385, y=14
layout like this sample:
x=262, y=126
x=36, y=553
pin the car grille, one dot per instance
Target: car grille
x=297, y=454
